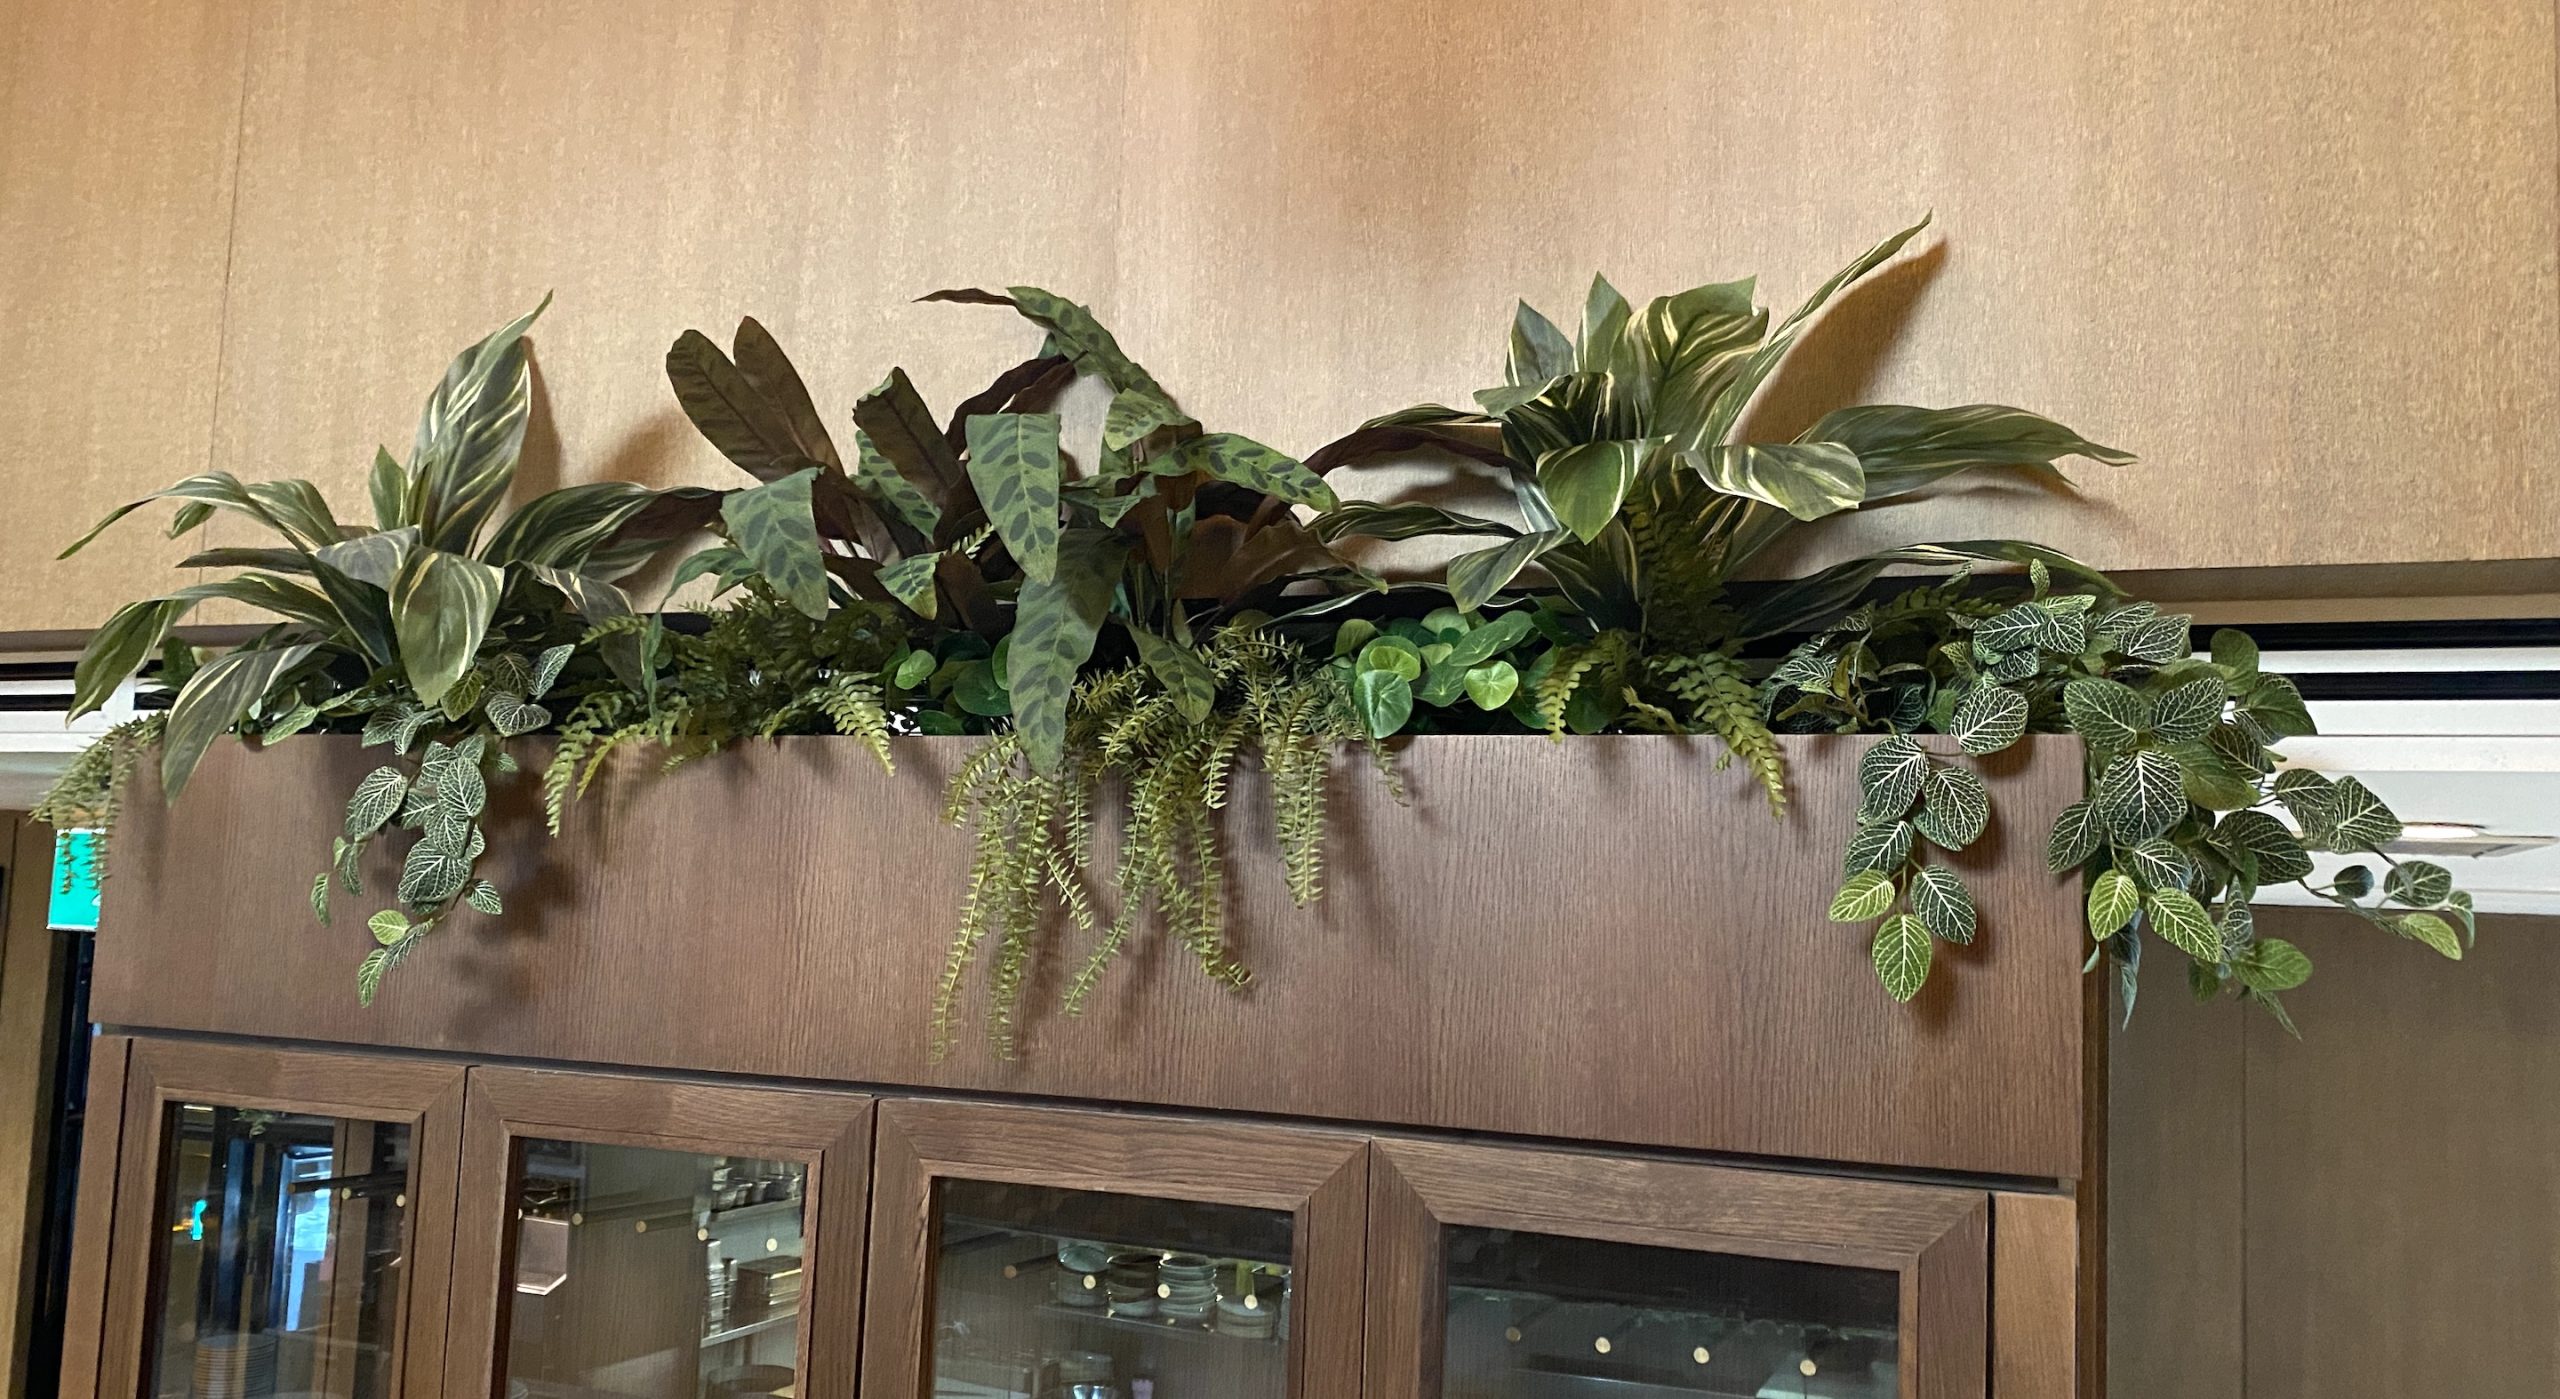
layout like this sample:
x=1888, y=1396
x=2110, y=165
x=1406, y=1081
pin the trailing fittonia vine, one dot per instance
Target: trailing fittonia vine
x=1140, y=619
x=2178, y=831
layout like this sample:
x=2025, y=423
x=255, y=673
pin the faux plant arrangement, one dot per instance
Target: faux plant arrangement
x=1138, y=621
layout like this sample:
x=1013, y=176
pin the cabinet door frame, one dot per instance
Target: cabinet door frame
x=425, y=1096
x=1937, y=1239
x=1317, y=1176
x=829, y=1132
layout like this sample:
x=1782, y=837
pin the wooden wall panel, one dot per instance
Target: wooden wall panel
x=2403, y=1210
x=2175, y=1167
x=2366, y=1212
x=2299, y=255
x=116, y=147
x=413, y=176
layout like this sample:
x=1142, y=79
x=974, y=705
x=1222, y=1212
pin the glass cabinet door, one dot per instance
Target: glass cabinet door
x=282, y=1225
x=1515, y=1274
x=638, y=1239
x=1087, y=1255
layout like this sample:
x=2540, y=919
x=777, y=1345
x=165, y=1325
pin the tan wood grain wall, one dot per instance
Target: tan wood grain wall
x=2369, y=1212
x=2301, y=254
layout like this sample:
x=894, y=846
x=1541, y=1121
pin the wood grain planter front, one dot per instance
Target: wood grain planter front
x=1604, y=939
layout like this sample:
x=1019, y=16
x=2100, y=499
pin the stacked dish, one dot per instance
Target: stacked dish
x=1187, y=1290
x=1254, y=1307
x=1080, y=1267
x=1130, y=1281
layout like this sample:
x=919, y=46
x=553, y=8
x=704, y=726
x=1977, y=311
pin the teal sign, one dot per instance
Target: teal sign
x=75, y=881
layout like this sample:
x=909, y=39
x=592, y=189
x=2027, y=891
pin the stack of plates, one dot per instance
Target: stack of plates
x=1187, y=1290
x=1131, y=1282
x=231, y=1366
x=1080, y=1266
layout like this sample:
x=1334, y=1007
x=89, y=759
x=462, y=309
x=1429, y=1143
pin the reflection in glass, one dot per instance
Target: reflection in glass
x=653, y=1274
x=1063, y=1294
x=280, y=1264
x=1536, y=1316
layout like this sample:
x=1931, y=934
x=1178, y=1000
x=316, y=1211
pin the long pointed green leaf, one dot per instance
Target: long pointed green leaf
x=376, y=558
x=729, y=410
x=469, y=437
x=901, y=427
x=1014, y=463
x=213, y=700
x=216, y=488
x=770, y=371
x=1738, y=387
x=118, y=648
x=600, y=601
x=441, y=609
x=1539, y=351
x=1587, y=483
x=387, y=486
x=1806, y=479
x=1475, y=577
x=1904, y=448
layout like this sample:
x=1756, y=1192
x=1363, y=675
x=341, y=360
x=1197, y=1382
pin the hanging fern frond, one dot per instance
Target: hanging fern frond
x=89, y=795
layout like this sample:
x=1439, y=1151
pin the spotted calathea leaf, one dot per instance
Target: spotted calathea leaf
x=1133, y=415
x=1954, y=806
x=776, y=528
x=1889, y=776
x=1013, y=462
x=1053, y=635
x=1902, y=951
x=910, y=581
x=2113, y=900
x=1184, y=675
x=2141, y=795
x=375, y=799
x=1990, y=718
x=2183, y=922
x=1864, y=895
x=1944, y=904
x=1248, y=463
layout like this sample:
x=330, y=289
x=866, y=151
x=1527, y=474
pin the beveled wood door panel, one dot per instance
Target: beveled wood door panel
x=1319, y=1177
x=1935, y=1239
x=93, y=1217
x=162, y=1074
x=829, y=1133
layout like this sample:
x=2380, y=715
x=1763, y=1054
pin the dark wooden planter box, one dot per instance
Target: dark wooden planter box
x=1603, y=939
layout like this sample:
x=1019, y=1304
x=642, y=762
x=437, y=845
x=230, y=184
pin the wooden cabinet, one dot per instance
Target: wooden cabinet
x=399, y=1227
x=651, y=1237
x=1205, y=1257
x=281, y=1223
x=1500, y=1272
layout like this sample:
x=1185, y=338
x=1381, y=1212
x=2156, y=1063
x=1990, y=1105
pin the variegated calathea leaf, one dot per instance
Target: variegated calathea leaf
x=1475, y=578
x=441, y=607
x=1903, y=449
x=776, y=528
x=1586, y=483
x=1806, y=479
x=469, y=437
x=1014, y=464
x=213, y=700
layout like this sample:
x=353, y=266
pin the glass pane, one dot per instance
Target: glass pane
x=1536, y=1316
x=1062, y=1294
x=653, y=1274
x=280, y=1266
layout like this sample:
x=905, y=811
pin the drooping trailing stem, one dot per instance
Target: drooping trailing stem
x=1032, y=865
x=90, y=792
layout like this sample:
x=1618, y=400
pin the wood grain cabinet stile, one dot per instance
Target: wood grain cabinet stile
x=1315, y=1176
x=828, y=1132
x=1936, y=1240
x=161, y=1075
